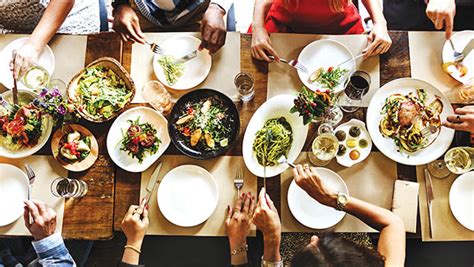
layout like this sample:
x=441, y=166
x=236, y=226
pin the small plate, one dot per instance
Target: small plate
x=310, y=212
x=77, y=166
x=115, y=135
x=187, y=195
x=460, y=40
x=195, y=70
x=13, y=191
x=345, y=160
x=461, y=199
x=46, y=60
x=316, y=55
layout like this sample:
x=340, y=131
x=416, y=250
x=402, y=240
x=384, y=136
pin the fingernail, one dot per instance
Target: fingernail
x=243, y=194
x=146, y=207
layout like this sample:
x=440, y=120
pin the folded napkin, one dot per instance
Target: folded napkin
x=405, y=203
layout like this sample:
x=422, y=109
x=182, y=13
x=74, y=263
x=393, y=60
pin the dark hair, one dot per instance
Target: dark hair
x=333, y=251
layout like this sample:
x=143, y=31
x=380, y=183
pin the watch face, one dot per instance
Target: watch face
x=342, y=198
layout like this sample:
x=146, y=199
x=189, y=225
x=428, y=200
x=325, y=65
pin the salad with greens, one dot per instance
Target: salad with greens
x=327, y=78
x=101, y=93
x=171, y=69
x=140, y=140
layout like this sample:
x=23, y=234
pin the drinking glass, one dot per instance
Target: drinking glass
x=358, y=86
x=466, y=91
x=59, y=84
x=333, y=116
x=438, y=169
x=244, y=83
x=323, y=149
x=68, y=188
x=157, y=96
x=35, y=77
x=460, y=160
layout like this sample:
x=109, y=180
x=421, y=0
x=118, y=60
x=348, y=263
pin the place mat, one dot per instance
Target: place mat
x=69, y=53
x=223, y=169
x=282, y=79
x=371, y=180
x=426, y=52
x=46, y=170
x=225, y=65
x=445, y=225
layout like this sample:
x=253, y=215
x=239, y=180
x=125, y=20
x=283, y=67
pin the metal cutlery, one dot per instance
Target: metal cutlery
x=186, y=57
x=31, y=178
x=429, y=199
x=294, y=63
x=458, y=57
x=283, y=160
x=349, y=59
x=152, y=183
x=155, y=48
x=15, y=88
x=468, y=48
x=239, y=179
x=5, y=104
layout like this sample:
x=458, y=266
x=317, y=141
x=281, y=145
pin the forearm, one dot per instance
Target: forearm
x=260, y=12
x=375, y=11
x=130, y=256
x=372, y=215
x=271, y=249
x=52, y=19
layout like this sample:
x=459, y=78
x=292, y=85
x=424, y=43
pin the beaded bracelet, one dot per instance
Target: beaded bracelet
x=239, y=250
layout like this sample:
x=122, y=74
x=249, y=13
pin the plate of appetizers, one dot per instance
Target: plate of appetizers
x=137, y=138
x=74, y=147
x=323, y=72
x=204, y=124
x=13, y=192
x=462, y=71
x=273, y=132
x=177, y=74
x=354, y=142
x=404, y=121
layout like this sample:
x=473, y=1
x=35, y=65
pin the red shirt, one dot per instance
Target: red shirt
x=313, y=16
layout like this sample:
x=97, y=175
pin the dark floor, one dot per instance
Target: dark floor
x=210, y=252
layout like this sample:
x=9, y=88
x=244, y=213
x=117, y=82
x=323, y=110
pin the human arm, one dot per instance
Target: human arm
x=441, y=13
x=237, y=227
x=261, y=43
x=379, y=40
x=213, y=30
x=49, y=246
x=392, y=231
x=52, y=19
x=463, y=120
x=126, y=23
x=134, y=226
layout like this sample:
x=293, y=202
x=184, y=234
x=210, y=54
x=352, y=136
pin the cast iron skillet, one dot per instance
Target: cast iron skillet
x=182, y=143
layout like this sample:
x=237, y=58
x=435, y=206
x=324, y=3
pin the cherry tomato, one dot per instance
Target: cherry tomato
x=190, y=111
x=186, y=131
x=330, y=69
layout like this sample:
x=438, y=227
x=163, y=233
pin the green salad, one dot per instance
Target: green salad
x=140, y=140
x=102, y=93
x=327, y=78
x=171, y=69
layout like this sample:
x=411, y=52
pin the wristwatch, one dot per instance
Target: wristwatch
x=117, y=3
x=342, y=200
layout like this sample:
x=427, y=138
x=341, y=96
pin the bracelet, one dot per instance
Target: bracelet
x=239, y=250
x=133, y=248
x=271, y=264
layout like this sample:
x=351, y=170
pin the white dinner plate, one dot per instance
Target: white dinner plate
x=121, y=125
x=325, y=53
x=310, y=212
x=345, y=159
x=187, y=195
x=461, y=200
x=13, y=191
x=386, y=145
x=195, y=70
x=45, y=60
x=275, y=107
x=460, y=40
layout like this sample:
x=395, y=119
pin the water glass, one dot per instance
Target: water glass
x=68, y=188
x=157, y=96
x=244, y=83
x=466, y=91
x=358, y=86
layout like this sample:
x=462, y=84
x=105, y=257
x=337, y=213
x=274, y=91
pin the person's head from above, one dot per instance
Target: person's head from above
x=330, y=249
x=335, y=5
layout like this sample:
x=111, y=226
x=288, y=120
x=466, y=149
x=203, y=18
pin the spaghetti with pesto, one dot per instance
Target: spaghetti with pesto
x=273, y=141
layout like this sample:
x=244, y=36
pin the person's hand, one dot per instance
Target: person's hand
x=126, y=23
x=44, y=219
x=262, y=45
x=266, y=217
x=26, y=56
x=463, y=120
x=379, y=40
x=135, y=223
x=309, y=180
x=213, y=29
x=239, y=220
x=441, y=13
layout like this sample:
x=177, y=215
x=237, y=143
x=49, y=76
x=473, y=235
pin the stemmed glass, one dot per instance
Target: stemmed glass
x=457, y=160
x=358, y=86
x=324, y=147
x=157, y=96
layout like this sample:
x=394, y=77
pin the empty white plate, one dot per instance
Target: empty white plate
x=460, y=40
x=310, y=212
x=195, y=70
x=187, y=195
x=325, y=53
x=461, y=200
x=13, y=191
x=45, y=60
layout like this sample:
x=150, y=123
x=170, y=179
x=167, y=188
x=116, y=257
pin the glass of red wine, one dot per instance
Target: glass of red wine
x=358, y=86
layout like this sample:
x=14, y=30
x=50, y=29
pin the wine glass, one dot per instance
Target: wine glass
x=324, y=147
x=157, y=96
x=466, y=91
x=358, y=86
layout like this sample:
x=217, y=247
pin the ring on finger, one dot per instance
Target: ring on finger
x=458, y=119
x=306, y=167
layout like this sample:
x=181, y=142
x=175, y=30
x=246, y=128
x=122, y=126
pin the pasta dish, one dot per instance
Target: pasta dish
x=273, y=141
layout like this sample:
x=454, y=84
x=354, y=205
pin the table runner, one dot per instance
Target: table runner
x=445, y=225
x=46, y=170
x=283, y=79
x=225, y=65
x=426, y=52
x=371, y=180
x=223, y=169
x=69, y=53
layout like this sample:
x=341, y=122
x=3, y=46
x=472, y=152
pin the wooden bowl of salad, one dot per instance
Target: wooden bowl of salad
x=101, y=90
x=75, y=147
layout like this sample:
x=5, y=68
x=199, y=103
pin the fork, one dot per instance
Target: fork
x=31, y=178
x=294, y=63
x=457, y=55
x=239, y=179
x=156, y=48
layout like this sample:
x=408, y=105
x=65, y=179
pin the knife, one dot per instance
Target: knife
x=152, y=182
x=429, y=198
x=468, y=48
x=186, y=57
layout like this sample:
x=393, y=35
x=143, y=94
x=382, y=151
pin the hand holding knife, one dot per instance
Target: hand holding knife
x=150, y=187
